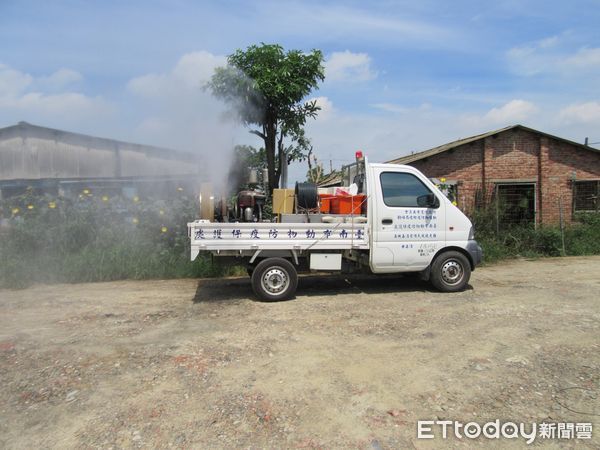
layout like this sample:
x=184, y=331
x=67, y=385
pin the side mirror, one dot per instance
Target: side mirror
x=428, y=201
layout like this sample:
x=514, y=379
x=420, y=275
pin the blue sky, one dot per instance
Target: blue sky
x=401, y=76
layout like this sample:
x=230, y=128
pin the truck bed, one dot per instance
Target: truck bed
x=216, y=237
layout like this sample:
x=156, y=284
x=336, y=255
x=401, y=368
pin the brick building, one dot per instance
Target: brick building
x=533, y=175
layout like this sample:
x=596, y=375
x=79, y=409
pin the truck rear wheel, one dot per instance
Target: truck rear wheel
x=450, y=272
x=274, y=279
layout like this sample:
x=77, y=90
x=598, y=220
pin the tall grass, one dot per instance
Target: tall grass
x=582, y=237
x=97, y=238
x=46, y=239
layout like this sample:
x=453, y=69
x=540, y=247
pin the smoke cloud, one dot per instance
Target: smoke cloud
x=179, y=113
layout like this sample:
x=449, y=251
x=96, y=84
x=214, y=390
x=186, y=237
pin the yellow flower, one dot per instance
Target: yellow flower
x=135, y=220
x=51, y=205
x=161, y=212
x=454, y=202
x=16, y=210
x=443, y=180
x=30, y=207
x=86, y=191
x=163, y=230
x=105, y=198
x=136, y=199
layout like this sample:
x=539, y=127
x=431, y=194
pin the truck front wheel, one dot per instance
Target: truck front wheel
x=274, y=279
x=450, y=272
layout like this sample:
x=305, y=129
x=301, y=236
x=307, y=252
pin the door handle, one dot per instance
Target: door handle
x=386, y=221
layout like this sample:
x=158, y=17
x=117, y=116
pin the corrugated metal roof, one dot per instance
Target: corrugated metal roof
x=31, y=152
x=443, y=148
x=24, y=129
x=333, y=179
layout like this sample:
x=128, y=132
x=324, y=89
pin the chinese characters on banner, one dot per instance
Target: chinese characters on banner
x=279, y=234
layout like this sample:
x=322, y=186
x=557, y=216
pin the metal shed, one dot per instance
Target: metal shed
x=48, y=159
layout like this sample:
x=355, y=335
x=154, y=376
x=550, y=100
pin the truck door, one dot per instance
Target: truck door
x=409, y=220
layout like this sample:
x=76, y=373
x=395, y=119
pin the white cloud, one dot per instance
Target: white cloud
x=348, y=66
x=585, y=58
x=358, y=23
x=191, y=72
x=398, y=109
x=65, y=104
x=60, y=79
x=511, y=112
x=327, y=110
x=548, y=42
x=13, y=82
x=554, y=55
x=586, y=113
x=389, y=107
x=196, y=68
x=41, y=99
x=150, y=85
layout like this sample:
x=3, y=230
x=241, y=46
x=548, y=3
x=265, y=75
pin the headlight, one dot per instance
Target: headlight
x=472, y=233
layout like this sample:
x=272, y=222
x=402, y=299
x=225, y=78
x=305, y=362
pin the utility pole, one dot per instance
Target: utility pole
x=588, y=143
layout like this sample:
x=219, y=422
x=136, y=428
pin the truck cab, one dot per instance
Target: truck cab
x=412, y=220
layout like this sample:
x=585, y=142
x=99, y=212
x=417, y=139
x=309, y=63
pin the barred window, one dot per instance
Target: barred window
x=516, y=203
x=586, y=195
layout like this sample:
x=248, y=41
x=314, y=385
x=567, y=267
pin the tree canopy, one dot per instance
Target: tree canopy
x=267, y=87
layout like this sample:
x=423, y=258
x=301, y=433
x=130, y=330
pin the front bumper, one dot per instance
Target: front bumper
x=475, y=251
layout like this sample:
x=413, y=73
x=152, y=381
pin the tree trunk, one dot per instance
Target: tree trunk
x=270, y=147
x=281, y=160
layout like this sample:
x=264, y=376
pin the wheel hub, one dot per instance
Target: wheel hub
x=275, y=280
x=452, y=272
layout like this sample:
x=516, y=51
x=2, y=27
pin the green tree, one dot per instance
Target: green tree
x=267, y=86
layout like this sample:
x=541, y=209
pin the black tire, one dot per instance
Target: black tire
x=450, y=272
x=274, y=279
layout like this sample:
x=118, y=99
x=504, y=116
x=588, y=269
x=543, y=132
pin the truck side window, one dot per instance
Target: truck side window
x=401, y=189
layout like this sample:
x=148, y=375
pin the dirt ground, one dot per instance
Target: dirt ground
x=350, y=363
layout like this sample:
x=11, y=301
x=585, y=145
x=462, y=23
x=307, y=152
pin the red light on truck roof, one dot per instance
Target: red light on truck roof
x=358, y=154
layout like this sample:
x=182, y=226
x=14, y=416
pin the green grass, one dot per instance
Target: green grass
x=581, y=238
x=91, y=238
x=50, y=240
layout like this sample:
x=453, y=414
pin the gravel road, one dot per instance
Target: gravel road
x=350, y=363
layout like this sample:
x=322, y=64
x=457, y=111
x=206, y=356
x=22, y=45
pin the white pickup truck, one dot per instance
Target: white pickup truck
x=409, y=226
